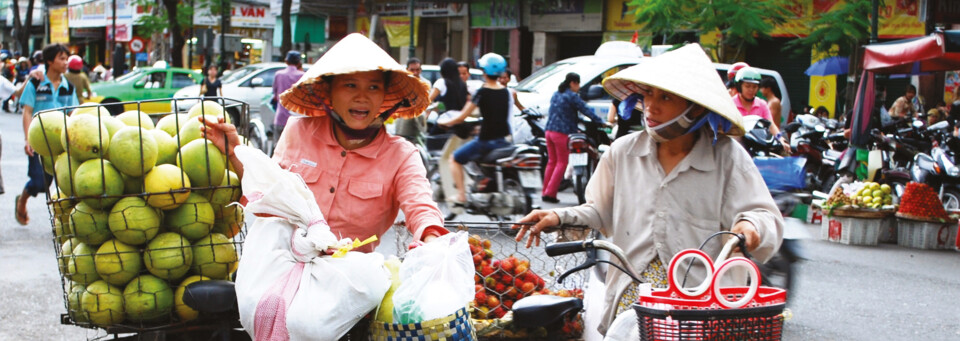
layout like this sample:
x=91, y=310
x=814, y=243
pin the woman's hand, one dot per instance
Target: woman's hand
x=749, y=231
x=542, y=220
x=223, y=135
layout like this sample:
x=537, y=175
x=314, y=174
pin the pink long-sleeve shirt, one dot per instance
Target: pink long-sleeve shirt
x=359, y=191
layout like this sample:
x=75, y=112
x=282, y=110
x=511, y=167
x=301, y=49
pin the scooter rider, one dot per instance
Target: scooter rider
x=693, y=179
x=494, y=102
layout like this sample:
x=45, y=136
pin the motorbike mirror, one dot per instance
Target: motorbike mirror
x=594, y=92
x=918, y=124
x=792, y=127
x=819, y=129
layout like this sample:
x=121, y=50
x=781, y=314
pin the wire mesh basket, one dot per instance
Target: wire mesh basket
x=142, y=206
x=507, y=271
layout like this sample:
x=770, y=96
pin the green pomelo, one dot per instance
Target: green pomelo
x=147, y=298
x=61, y=206
x=168, y=256
x=117, y=263
x=47, y=162
x=134, y=222
x=81, y=267
x=191, y=129
x=172, y=123
x=136, y=118
x=44, y=133
x=86, y=137
x=96, y=178
x=166, y=147
x=66, y=252
x=103, y=303
x=214, y=256
x=210, y=108
x=66, y=168
x=193, y=219
x=133, y=151
x=168, y=187
x=132, y=184
x=90, y=224
x=225, y=195
x=229, y=220
x=74, y=309
x=113, y=125
x=91, y=109
x=203, y=162
x=184, y=311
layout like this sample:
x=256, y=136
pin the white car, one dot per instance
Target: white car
x=248, y=84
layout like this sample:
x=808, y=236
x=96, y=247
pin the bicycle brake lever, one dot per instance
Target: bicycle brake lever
x=591, y=260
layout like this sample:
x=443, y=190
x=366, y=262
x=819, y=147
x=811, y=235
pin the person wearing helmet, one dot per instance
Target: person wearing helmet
x=78, y=78
x=565, y=108
x=494, y=102
x=731, y=74
x=360, y=175
x=674, y=184
x=748, y=84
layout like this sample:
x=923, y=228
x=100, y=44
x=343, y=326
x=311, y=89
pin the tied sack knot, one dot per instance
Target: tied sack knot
x=307, y=242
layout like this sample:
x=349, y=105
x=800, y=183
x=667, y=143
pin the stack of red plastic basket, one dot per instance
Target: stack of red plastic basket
x=709, y=311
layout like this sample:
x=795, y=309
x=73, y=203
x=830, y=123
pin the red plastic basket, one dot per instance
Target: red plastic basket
x=672, y=314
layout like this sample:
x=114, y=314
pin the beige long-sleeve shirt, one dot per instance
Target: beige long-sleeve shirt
x=651, y=214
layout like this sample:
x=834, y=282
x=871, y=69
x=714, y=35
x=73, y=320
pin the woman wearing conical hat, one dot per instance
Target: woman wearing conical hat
x=359, y=174
x=672, y=185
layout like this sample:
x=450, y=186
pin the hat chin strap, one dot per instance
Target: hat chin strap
x=371, y=130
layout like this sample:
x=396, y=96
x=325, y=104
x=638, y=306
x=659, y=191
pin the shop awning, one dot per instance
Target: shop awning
x=939, y=51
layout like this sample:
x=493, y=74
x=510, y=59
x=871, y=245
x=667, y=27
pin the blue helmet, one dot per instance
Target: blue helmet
x=493, y=64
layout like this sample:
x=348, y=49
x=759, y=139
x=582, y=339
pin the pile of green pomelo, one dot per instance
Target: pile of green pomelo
x=140, y=210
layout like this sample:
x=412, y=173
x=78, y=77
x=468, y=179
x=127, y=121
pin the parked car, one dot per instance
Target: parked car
x=143, y=84
x=247, y=84
x=432, y=74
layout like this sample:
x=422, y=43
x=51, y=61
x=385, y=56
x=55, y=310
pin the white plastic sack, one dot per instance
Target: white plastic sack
x=436, y=280
x=286, y=288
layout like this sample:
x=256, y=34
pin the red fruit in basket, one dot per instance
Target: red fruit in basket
x=507, y=265
x=477, y=279
x=478, y=288
x=564, y=293
x=486, y=271
x=528, y=287
x=489, y=282
x=484, y=263
x=566, y=329
x=480, y=296
x=488, y=254
x=511, y=292
x=493, y=302
x=477, y=259
x=486, y=243
x=520, y=269
x=495, y=264
x=507, y=279
x=508, y=304
x=498, y=313
x=500, y=288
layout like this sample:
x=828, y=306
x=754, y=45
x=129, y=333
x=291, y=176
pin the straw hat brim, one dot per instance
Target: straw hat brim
x=686, y=72
x=355, y=53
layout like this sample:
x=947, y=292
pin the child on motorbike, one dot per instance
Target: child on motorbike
x=359, y=174
x=494, y=102
x=674, y=184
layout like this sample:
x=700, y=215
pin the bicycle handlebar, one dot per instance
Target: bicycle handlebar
x=559, y=249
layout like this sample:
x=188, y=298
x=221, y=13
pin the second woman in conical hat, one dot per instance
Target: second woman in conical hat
x=359, y=174
x=674, y=184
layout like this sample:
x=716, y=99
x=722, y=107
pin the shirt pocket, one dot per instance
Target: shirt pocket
x=692, y=231
x=366, y=202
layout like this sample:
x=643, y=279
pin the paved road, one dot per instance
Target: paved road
x=844, y=292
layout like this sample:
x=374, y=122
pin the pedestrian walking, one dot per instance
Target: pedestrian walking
x=211, y=86
x=565, y=106
x=283, y=80
x=53, y=92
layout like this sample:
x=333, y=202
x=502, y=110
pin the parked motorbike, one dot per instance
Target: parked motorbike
x=758, y=141
x=816, y=139
x=586, y=147
x=938, y=168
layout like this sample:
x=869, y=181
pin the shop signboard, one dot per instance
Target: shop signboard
x=494, y=14
x=59, y=27
x=898, y=19
x=569, y=16
x=398, y=30
x=276, y=7
x=99, y=13
x=241, y=15
x=424, y=9
x=620, y=16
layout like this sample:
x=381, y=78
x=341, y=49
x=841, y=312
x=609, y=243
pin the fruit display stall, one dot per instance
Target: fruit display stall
x=922, y=222
x=507, y=271
x=141, y=206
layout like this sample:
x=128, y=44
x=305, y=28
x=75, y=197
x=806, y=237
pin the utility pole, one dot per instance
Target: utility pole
x=874, y=21
x=113, y=39
x=224, y=26
x=413, y=32
x=190, y=44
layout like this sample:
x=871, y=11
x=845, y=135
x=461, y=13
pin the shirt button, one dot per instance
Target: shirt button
x=659, y=245
x=660, y=214
x=343, y=153
x=331, y=189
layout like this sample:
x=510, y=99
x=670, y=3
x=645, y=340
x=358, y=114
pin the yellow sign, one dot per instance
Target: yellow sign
x=59, y=29
x=823, y=89
x=620, y=16
x=363, y=25
x=898, y=19
x=398, y=30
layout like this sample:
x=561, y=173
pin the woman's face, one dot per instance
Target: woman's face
x=212, y=72
x=357, y=97
x=660, y=106
x=575, y=86
x=464, y=73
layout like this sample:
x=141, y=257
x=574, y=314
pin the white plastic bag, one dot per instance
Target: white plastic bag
x=286, y=288
x=436, y=280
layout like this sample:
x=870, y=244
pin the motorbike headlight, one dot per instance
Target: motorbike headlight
x=953, y=171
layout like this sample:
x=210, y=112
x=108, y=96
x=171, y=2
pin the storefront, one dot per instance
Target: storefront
x=496, y=24
x=441, y=30
x=578, y=24
x=90, y=22
x=252, y=21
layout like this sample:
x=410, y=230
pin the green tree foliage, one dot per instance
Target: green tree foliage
x=175, y=17
x=845, y=27
x=739, y=22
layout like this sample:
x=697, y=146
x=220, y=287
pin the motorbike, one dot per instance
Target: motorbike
x=758, y=141
x=818, y=142
x=502, y=183
x=586, y=147
x=938, y=168
x=528, y=128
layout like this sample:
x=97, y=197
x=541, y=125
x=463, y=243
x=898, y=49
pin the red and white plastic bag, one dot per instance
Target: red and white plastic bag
x=287, y=287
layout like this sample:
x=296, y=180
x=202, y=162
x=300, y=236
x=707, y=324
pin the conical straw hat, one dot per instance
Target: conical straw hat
x=356, y=53
x=686, y=72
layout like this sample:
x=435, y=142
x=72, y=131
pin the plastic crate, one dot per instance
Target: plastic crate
x=926, y=235
x=850, y=230
x=888, y=230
